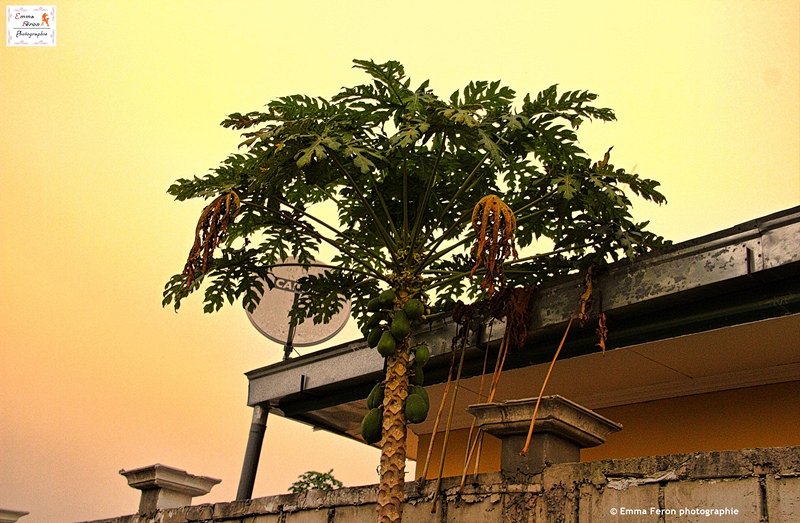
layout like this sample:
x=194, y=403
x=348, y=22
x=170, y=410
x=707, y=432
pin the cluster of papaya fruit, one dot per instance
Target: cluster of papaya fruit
x=386, y=328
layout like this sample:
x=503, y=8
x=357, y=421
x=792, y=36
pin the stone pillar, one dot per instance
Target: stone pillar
x=562, y=429
x=166, y=487
x=10, y=516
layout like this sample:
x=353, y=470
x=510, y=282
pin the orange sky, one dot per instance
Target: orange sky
x=96, y=376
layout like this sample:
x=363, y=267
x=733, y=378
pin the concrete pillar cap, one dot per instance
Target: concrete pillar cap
x=562, y=429
x=166, y=487
x=163, y=476
x=557, y=415
x=11, y=516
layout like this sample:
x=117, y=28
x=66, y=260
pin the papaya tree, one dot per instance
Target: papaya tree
x=423, y=200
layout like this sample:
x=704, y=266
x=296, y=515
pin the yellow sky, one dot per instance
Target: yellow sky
x=96, y=376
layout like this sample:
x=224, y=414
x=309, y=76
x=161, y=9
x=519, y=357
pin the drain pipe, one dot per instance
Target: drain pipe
x=252, y=453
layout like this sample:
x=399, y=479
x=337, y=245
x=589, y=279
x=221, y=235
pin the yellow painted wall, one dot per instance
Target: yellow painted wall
x=456, y=453
x=764, y=416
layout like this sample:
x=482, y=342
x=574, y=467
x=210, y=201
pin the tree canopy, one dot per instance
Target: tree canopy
x=404, y=169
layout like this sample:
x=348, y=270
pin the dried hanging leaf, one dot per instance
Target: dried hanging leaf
x=212, y=227
x=494, y=223
x=602, y=331
x=598, y=166
x=582, y=313
x=518, y=315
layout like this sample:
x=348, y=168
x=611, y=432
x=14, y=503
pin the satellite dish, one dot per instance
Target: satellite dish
x=271, y=316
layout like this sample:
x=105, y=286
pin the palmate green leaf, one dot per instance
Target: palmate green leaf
x=240, y=121
x=468, y=117
x=315, y=150
x=418, y=102
x=314, y=290
x=332, y=289
x=489, y=145
x=231, y=173
x=176, y=289
x=409, y=134
x=568, y=186
x=299, y=109
x=360, y=157
x=233, y=275
x=571, y=105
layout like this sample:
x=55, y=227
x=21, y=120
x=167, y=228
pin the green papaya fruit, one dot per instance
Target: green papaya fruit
x=414, y=309
x=416, y=408
x=387, y=297
x=419, y=390
x=375, y=398
x=387, y=344
x=374, y=337
x=371, y=426
x=374, y=305
x=400, y=325
x=421, y=355
x=375, y=319
x=419, y=377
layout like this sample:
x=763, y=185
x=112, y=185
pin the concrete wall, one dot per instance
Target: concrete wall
x=757, y=485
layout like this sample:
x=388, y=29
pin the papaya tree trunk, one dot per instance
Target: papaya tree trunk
x=391, y=494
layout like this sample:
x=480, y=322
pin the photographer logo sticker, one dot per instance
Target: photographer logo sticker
x=30, y=25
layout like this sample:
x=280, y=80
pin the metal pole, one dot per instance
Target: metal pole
x=289, y=347
x=252, y=453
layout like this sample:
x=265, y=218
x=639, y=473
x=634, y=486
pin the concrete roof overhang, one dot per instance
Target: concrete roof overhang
x=712, y=313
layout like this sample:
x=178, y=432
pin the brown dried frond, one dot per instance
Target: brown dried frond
x=518, y=315
x=585, y=300
x=602, y=164
x=494, y=223
x=582, y=314
x=212, y=227
x=602, y=331
x=514, y=305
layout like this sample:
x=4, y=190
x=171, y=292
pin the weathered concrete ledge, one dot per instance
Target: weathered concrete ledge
x=562, y=427
x=757, y=484
x=11, y=516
